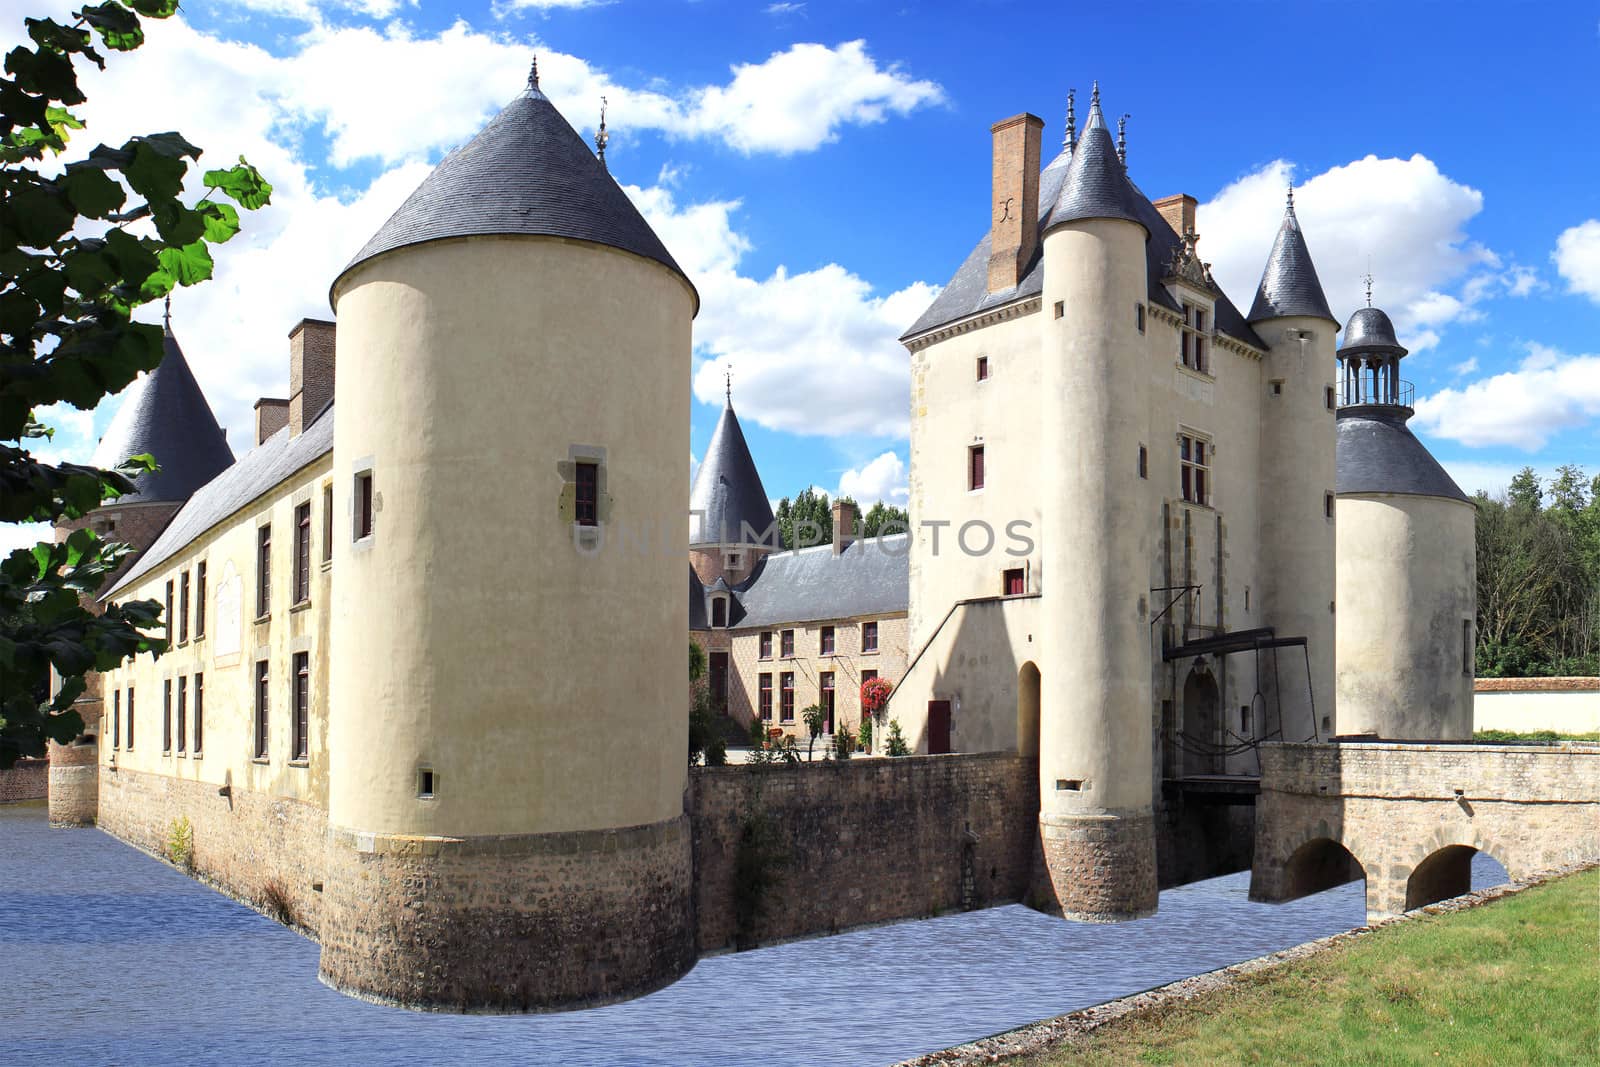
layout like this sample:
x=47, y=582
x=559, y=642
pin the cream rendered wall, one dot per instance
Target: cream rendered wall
x=1575, y=712
x=1407, y=581
x=234, y=641
x=474, y=638
x=746, y=666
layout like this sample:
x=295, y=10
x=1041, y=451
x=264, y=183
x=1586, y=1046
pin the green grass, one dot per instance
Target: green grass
x=1494, y=736
x=1512, y=982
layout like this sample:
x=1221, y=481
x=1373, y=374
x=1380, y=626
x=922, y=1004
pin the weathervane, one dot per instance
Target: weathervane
x=1291, y=194
x=1070, y=141
x=533, y=75
x=727, y=384
x=1122, y=139
x=1368, y=279
x=166, y=315
x=601, y=136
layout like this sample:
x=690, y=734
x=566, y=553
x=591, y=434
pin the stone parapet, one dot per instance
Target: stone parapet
x=74, y=783
x=1097, y=868
x=508, y=923
x=28, y=779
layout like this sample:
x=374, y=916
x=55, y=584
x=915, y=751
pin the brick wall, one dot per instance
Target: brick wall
x=866, y=841
x=27, y=780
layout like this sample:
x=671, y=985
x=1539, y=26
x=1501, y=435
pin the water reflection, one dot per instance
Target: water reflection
x=115, y=958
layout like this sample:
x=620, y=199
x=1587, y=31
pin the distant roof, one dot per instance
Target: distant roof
x=255, y=474
x=870, y=577
x=526, y=172
x=968, y=292
x=1369, y=330
x=165, y=414
x=1289, y=284
x=1377, y=453
x=727, y=494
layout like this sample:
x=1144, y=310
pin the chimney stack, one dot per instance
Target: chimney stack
x=310, y=371
x=272, y=415
x=1178, y=211
x=844, y=525
x=1014, y=207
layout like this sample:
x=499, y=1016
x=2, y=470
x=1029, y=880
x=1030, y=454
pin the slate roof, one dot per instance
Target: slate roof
x=256, y=473
x=870, y=577
x=1289, y=284
x=526, y=172
x=728, y=490
x=968, y=291
x=1095, y=186
x=1369, y=330
x=1377, y=453
x=165, y=414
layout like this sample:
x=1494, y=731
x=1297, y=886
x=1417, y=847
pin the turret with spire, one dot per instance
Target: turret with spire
x=730, y=518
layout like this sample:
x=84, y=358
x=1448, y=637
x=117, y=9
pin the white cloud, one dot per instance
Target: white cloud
x=1550, y=391
x=1468, y=366
x=884, y=478
x=1402, y=216
x=22, y=535
x=779, y=10
x=1577, y=258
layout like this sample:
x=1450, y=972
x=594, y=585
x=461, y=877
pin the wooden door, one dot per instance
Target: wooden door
x=938, y=727
x=719, y=682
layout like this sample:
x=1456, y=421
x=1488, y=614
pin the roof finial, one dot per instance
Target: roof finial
x=1122, y=139
x=1070, y=141
x=166, y=315
x=601, y=136
x=727, y=385
x=1094, y=99
x=533, y=75
x=1291, y=196
x=1368, y=279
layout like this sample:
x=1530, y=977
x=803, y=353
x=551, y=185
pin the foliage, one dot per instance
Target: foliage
x=896, y=743
x=806, y=521
x=81, y=246
x=761, y=753
x=886, y=520
x=1502, y=736
x=1509, y=982
x=1539, y=577
x=844, y=740
x=815, y=717
x=703, y=730
x=697, y=662
x=758, y=859
x=875, y=696
x=716, y=750
x=180, y=842
x=864, y=735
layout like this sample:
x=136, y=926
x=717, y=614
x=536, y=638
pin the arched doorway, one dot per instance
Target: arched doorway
x=1198, y=738
x=1446, y=873
x=1028, y=710
x=1321, y=863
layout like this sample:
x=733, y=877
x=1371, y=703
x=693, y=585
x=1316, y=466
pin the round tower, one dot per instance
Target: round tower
x=1290, y=314
x=1096, y=778
x=731, y=528
x=507, y=830
x=1407, y=558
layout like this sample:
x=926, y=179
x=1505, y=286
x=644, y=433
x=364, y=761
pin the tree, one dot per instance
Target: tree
x=807, y=521
x=82, y=245
x=885, y=519
x=815, y=716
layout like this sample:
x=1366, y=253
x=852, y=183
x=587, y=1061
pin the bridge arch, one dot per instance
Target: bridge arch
x=1318, y=864
x=1028, y=710
x=1445, y=867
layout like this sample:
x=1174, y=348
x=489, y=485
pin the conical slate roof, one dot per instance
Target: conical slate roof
x=1096, y=185
x=165, y=414
x=1378, y=453
x=526, y=172
x=1289, y=285
x=727, y=495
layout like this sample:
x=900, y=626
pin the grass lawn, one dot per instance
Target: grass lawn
x=1495, y=736
x=1512, y=982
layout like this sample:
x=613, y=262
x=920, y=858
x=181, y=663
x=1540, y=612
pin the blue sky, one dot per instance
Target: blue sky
x=822, y=168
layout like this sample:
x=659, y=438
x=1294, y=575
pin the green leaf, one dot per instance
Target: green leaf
x=39, y=215
x=187, y=265
x=118, y=27
x=177, y=224
x=242, y=184
x=222, y=220
x=92, y=191
x=155, y=9
x=134, y=259
x=88, y=272
x=155, y=174
x=61, y=117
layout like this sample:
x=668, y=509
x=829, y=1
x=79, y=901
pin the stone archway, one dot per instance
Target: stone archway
x=1319, y=864
x=1444, y=874
x=1198, y=736
x=1028, y=710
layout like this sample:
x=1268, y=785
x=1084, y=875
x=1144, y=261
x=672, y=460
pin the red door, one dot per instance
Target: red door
x=938, y=727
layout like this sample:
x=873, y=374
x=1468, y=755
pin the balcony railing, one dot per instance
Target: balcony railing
x=1364, y=390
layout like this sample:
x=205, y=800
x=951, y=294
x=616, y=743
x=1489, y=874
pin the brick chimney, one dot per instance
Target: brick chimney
x=844, y=525
x=272, y=415
x=1014, y=207
x=310, y=371
x=1178, y=211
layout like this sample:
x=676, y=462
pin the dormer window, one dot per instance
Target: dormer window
x=1192, y=339
x=719, y=612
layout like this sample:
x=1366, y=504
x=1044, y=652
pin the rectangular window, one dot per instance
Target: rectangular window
x=261, y=710
x=200, y=599
x=1144, y=462
x=1192, y=339
x=867, y=676
x=1466, y=647
x=1194, y=468
x=786, y=645
x=1277, y=388
x=588, y=494
x=172, y=613
x=975, y=467
x=826, y=695
x=263, y=571
x=766, y=698
x=1244, y=719
x=199, y=713
x=1014, y=582
x=427, y=783
x=183, y=713
x=719, y=612
x=183, y=607
x=302, y=553
x=983, y=368
x=363, y=505
x=1061, y=308
x=327, y=524
x=1327, y=398
x=301, y=742
x=764, y=645
x=786, y=683
x=130, y=717
x=166, y=716
x=869, y=637
x=1138, y=316
x=1327, y=505
x=825, y=641
x=116, y=719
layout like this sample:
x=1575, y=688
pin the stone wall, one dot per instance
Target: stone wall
x=74, y=779
x=242, y=842
x=27, y=780
x=866, y=841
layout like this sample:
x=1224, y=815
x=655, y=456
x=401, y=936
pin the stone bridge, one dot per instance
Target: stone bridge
x=1408, y=817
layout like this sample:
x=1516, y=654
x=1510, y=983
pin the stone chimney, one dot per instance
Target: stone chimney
x=1178, y=211
x=310, y=371
x=272, y=415
x=1014, y=206
x=844, y=525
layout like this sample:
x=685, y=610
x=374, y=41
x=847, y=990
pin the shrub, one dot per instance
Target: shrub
x=180, y=843
x=864, y=736
x=844, y=741
x=274, y=899
x=815, y=717
x=896, y=745
x=702, y=720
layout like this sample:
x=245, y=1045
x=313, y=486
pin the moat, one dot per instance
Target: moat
x=120, y=959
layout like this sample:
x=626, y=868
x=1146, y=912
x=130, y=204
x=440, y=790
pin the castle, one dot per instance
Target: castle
x=428, y=633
